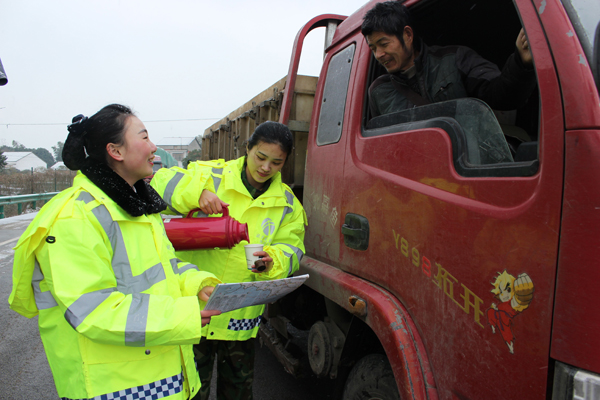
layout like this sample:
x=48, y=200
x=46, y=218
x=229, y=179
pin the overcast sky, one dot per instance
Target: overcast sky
x=181, y=65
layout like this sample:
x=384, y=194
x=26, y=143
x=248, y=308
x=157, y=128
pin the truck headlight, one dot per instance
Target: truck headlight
x=574, y=384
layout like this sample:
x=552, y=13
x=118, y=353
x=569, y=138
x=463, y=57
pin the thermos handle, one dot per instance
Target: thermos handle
x=225, y=212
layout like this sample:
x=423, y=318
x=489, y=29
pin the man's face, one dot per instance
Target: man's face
x=390, y=53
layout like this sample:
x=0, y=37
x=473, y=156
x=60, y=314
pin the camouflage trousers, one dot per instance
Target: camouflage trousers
x=235, y=368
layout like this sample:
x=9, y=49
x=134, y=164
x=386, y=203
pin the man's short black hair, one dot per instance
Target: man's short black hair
x=390, y=17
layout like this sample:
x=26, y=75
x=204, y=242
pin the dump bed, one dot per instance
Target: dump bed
x=227, y=138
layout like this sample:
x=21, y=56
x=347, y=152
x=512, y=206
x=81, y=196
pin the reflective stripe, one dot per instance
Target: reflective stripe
x=287, y=210
x=217, y=180
x=85, y=197
x=177, y=270
x=85, y=304
x=170, y=189
x=43, y=300
x=299, y=254
x=151, y=391
x=145, y=280
x=290, y=198
x=288, y=255
x=120, y=260
x=137, y=318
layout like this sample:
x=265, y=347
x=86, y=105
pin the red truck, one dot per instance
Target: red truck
x=417, y=247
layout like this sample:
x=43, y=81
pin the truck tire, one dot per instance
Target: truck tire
x=371, y=378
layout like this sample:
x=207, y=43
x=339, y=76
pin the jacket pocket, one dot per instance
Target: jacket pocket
x=99, y=353
x=443, y=92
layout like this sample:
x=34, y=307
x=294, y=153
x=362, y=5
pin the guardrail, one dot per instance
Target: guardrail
x=24, y=198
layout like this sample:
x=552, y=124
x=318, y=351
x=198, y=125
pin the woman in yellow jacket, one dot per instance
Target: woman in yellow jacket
x=251, y=187
x=118, y=312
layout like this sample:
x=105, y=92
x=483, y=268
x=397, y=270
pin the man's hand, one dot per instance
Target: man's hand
x=210, y=203
x=524, y=50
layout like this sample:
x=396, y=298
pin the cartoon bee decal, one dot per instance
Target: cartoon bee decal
x=515, y=295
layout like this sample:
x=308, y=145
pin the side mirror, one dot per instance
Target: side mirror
x=3, y=78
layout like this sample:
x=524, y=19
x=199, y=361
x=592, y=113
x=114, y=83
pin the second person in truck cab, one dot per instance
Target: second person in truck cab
x=252, y=188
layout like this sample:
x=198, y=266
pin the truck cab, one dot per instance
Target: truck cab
x=452, y=248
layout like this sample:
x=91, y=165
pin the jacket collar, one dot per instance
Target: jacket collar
x=142, y=200
x=420, y=62
x=235, y=168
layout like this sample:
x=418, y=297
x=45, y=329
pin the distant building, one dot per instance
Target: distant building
x=59, y=165
x=179, y=147
x=23, y=160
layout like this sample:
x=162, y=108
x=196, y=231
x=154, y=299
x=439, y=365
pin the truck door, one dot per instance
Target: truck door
x=440, y=207
x=323, y=199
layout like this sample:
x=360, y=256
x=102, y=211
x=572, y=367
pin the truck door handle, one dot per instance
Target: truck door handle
x=356, y=231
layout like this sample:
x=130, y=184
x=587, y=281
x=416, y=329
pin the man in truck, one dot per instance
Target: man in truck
x=419, y=74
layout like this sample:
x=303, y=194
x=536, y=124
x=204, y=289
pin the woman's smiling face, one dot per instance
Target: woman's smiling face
x=137, y=152
x=263, y=162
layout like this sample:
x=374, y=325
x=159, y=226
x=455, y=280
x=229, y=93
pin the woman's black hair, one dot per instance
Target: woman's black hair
x=88, y=137
x=273, y=132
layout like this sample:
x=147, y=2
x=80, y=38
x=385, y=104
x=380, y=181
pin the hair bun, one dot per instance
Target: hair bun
x=73, y=153
x=77, y=123
x=77, y=118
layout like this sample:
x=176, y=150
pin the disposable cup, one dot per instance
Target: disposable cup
x=250, y=249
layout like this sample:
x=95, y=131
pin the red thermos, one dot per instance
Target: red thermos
x=205, y=233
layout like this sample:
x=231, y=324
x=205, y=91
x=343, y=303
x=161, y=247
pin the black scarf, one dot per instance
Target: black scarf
x=142, y=200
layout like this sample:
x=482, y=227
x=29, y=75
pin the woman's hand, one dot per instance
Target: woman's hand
x=205, y=315
x=210, y=203
x=203, y=295
x=264, y=264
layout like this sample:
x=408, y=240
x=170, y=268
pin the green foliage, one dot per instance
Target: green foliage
x=45, y=155
x=192, y=156
x=16, y=146
x=2, y=161
x=57, y=150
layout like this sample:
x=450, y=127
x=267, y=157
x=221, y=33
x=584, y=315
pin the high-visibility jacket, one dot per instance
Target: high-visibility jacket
x=118, y=312
x=276, y=219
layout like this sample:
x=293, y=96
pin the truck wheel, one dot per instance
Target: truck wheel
x=371, y=378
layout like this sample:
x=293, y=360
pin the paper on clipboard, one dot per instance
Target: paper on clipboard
x=231, y=296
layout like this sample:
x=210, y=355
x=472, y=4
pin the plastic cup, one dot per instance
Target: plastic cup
x=250, y=258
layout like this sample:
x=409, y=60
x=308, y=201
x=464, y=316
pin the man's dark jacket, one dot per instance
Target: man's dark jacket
x=451, y=72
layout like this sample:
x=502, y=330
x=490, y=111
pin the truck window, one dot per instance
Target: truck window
x=331, y=119
x=485, y=142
